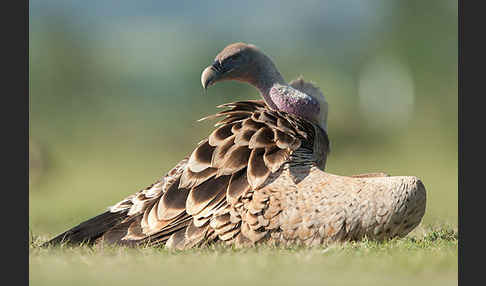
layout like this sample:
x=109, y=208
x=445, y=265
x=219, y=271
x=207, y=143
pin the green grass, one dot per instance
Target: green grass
x=426, y=257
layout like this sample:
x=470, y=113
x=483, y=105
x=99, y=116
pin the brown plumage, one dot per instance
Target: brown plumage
x=259, y=177
x=286, y=199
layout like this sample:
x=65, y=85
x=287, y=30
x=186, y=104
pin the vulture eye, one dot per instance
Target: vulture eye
x=234, y=57
x=231, y=59
x=226, y=64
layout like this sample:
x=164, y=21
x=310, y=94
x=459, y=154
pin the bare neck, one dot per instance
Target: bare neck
x=267, y=76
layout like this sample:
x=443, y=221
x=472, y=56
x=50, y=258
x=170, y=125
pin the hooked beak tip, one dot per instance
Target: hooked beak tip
x=208, y=77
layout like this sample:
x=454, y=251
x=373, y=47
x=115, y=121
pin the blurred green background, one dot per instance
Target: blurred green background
x=115, y=91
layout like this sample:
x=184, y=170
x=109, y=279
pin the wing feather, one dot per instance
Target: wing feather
x=198, y=199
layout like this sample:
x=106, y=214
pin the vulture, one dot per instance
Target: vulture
x=258, y=177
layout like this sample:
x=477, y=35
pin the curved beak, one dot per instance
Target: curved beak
x=209, y=76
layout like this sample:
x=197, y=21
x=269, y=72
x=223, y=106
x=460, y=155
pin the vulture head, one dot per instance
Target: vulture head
x=246, y=63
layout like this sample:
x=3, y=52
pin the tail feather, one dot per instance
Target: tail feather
x=88, y=231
